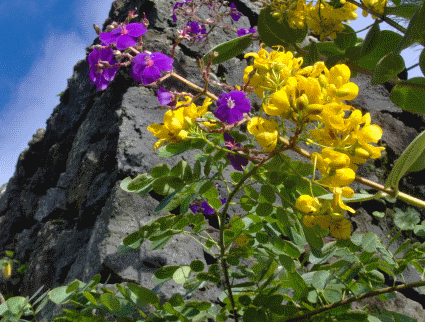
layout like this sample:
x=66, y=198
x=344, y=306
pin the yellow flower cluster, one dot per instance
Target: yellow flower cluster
x=376, y=5
x=178, y=121
x=320, y=17
x=315, y=93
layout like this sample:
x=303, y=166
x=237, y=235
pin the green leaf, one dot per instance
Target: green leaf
x=402, y=247
x=264, y=209
x=251, y=192
x=197, y=266
x=371, y=40
x=91, y=298
x=388, y=42
x=165, y=272
x=228, y=49
x=409, y=159
x=171, y=201
x=388, y=67
x=181, y=275
x=141, y=185
x=404, y=10
x=143, y=294
x=299, y=285
x=320, y=279
x=370, y=242
x=415, y=31
x=207, y=167
x=17, y=303
x=394, y=316
x=347, y=38
x=173, y=149
x=410, y=95
x=332, y=295
x=406, y=220
x=167, y=185
x=313, y=55
x=160, y=170
x=274, y=33
x=196, y=170
x=182, y=170
x=110, y=301
x=59, y=295
x=267, y=194
x=158, y=244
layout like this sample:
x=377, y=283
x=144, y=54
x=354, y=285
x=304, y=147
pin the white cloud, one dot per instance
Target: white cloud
x=33, y=102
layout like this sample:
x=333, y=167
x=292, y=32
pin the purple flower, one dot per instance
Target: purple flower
x=205, y=208
x=147, y=67
x=124, y=36
x=231, y=107
x=178, y=4
x=99, y=76
x=245, y=31
x=237, y=161
x=234, y=13
x=165, y=97
x=196, y=30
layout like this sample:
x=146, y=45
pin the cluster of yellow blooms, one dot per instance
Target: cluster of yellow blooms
x=321, y=17
x=376, y=5
x=315, y=93
x=178, y=121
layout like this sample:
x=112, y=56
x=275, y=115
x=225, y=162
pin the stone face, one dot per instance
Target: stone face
x=63, y=212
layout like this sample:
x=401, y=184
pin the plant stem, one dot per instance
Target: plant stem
x=221, y=242
x=389, y=21
x=189, y=83
x=355, y=299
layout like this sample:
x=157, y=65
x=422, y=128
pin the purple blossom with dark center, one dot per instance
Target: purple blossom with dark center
x=165, y=97
x=245, y=31
x=234, y=13
x=124, y=36
x=237, y=161
x=177, y=5
x=195, y=30
x=99, y=76
x=231, y=107
x=147, y=67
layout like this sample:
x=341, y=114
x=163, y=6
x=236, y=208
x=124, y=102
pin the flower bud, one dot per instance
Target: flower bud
x=97, y=29
x=337, y=216
x=360, y=152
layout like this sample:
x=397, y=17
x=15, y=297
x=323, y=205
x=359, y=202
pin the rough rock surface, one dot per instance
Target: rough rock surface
x=63, y=212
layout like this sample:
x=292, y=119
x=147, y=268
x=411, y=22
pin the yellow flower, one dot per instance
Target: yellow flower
x=340, y=229
x=334, y=167
x=278, y=104
x=7, y=271
x=310, y=220
x=376, y=5
x=345, y=192
x=177, y=122
x=265, y=132
x=308, y=204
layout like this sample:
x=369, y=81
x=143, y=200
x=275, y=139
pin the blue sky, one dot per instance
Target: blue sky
x=42, y=42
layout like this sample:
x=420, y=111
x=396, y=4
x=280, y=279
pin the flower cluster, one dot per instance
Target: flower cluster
x=376, y=5
x=315, y=95
x=324, y=18
x=177, y=122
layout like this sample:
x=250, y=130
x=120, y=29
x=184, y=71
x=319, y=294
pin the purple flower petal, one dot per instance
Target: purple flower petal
x=150, y=74
x=163, y=62
x=164, y=96
x=195, y=209
x=245, y=31
x=231, y=107
x=136, y=29
x=110, y=37
x=125, y=41
x=234, y=13
x=207, y=209
x=93, y=57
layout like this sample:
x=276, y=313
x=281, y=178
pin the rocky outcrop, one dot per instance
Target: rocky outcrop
x=63, y=212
